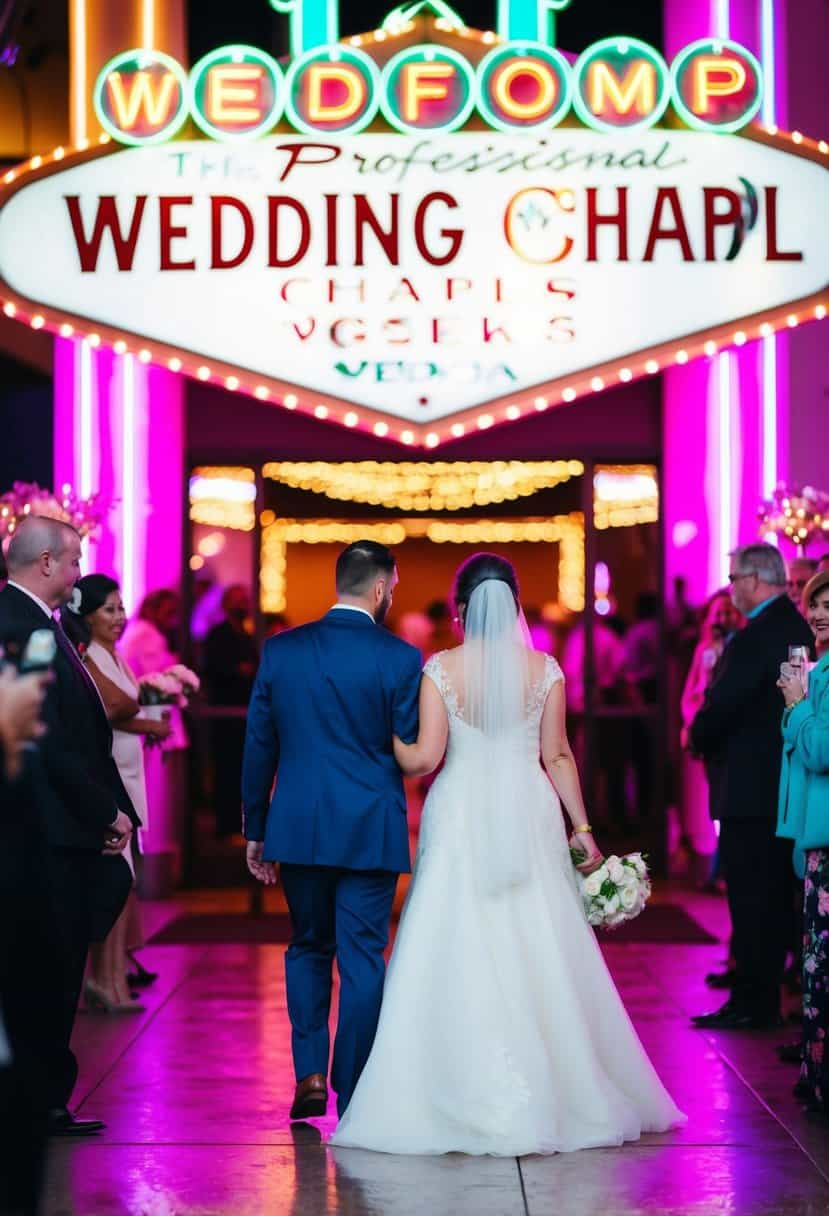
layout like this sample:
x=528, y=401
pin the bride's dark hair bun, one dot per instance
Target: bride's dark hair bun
x=476, y=570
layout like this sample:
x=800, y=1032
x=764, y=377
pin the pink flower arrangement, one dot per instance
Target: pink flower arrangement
x=159, y=688
x=174, y=686
x=189, y=681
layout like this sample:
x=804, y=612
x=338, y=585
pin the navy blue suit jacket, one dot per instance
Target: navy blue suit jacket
x=328, y=698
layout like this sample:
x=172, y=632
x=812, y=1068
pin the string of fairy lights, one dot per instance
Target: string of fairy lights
x=225, y=497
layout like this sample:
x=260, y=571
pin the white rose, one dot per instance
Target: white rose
x=618, y=918
x=612, y=905
x=616, y=871
x=629, y=897
x=631, y=878
x=592, y=885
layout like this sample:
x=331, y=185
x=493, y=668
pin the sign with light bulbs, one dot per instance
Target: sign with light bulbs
x=425, y=229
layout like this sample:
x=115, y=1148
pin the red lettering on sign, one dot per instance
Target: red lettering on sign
x=219, y=203
x=773, y=253
x=170, y=231
x=276, y=202
x=668, y=196
x=617, y=219
x=713, y=217
x=364, y=215
x=453, y=235
x=106, y=220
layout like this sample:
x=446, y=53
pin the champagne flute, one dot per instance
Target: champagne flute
x=798, y=658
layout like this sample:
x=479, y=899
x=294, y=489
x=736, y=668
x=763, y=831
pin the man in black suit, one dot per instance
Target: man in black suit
x=737, y=731
x=84, y=814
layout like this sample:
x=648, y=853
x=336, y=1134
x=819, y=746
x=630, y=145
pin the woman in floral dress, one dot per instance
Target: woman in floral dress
x=804, y=818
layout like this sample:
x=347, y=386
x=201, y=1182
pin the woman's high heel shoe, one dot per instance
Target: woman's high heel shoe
x=97, y=999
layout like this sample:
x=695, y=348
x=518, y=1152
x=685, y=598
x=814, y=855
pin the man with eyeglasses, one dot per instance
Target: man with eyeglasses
x=737, y=732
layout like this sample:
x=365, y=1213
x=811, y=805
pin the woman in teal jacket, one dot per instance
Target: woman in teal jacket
x=804, y=818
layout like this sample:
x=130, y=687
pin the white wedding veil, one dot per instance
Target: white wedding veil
x=496, y=682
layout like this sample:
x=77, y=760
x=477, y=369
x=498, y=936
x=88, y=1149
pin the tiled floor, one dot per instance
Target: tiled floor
x=195, y=1092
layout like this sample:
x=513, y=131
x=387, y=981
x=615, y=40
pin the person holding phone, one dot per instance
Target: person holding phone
x=86, y=814
x=803, y=816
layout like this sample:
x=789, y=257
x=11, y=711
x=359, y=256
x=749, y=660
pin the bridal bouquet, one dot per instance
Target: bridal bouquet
x=174, y=686
x=616, y=892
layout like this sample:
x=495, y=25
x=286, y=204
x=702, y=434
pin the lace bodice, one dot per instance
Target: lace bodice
x=536, y=696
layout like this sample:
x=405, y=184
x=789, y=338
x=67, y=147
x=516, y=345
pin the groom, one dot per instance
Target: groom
x=328, y=699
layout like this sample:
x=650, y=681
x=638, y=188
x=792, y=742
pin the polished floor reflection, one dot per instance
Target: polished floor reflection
x=196, y=1092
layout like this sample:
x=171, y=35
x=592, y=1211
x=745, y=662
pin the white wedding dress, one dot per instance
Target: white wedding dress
x=501, y=1030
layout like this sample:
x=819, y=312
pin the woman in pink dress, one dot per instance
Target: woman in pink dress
x=720, y=620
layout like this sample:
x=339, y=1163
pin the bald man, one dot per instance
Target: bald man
x=81, y=817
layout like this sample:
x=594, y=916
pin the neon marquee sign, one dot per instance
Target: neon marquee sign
x=241, y=93
x=425, y=229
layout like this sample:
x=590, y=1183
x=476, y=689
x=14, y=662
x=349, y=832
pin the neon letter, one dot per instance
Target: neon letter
x=545, y=95
x=421, y=82
x=320, y=74
x=715, y=77
x=637, y=89
x=234, y=94
x=143, y=93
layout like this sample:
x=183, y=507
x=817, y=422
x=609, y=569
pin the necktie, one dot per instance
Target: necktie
x=75, y=659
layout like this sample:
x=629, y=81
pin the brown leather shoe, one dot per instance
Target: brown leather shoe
x=311, y=1097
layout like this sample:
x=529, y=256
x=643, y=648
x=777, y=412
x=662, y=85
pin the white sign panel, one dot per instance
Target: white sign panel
x=422, y=276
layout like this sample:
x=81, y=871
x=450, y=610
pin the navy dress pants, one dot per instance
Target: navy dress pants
x=342, y=914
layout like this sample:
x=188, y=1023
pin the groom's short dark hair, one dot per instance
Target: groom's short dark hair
x=360, y=564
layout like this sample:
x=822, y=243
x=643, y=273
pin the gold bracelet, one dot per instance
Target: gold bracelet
x=585, y=827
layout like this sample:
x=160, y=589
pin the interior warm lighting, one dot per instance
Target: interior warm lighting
x=223, y=497
x=624, y=495
x=9, y=177
x=58, y=154
x=424, y=485
x=567, y=531
x=36, y=162
x=196, y=562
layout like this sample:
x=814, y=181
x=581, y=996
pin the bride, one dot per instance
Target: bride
x=501, y=1030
